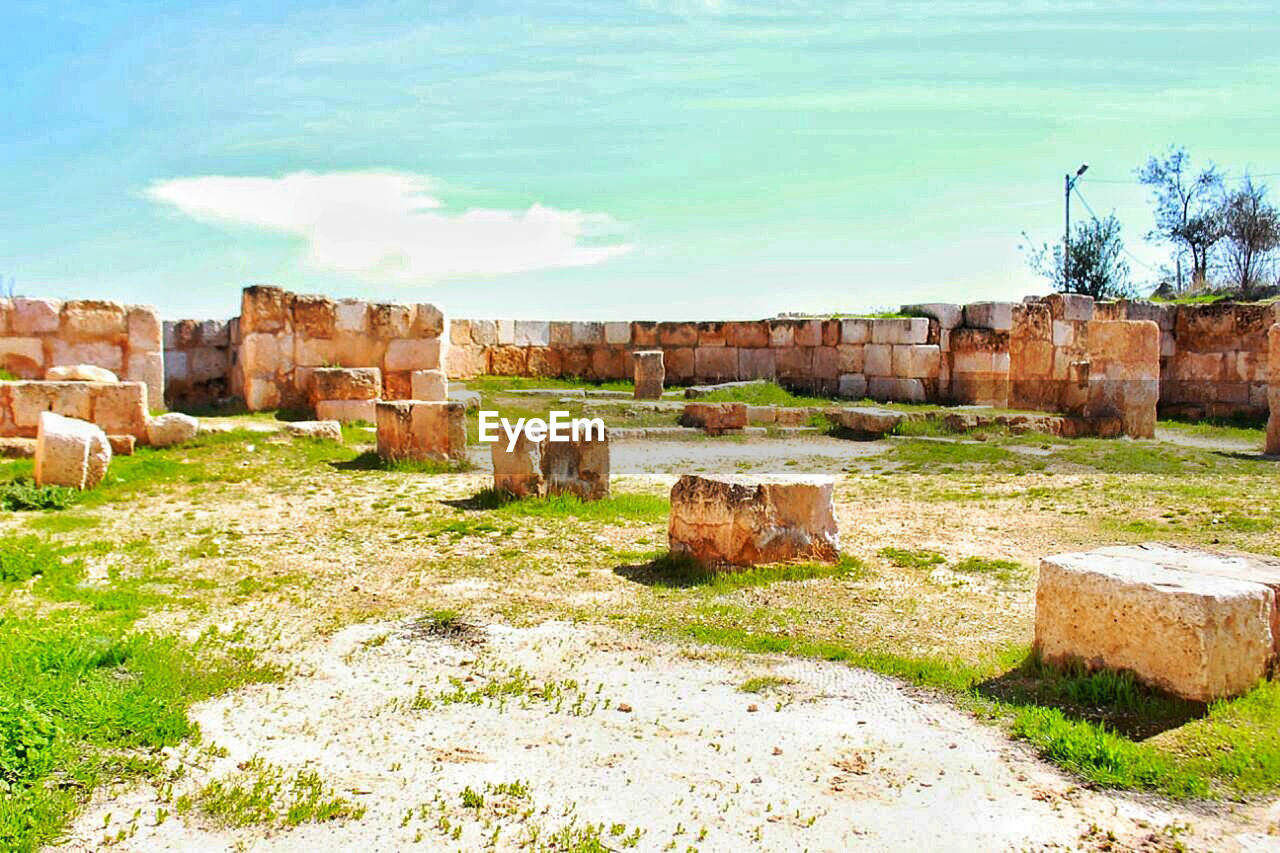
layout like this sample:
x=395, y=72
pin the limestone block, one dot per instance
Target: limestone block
x=17, y=447
x=506, y=332
x=102, y=353
x=678, y=362
x=711, y=334
x=715, y=364
x=6, y=322
x=576, y=361
x=738, y=521
x=1199, y=625
x=715, y=418
x=747, y=334
x=900, y=330
x=413, y=354
x=70, y=452
x=643, y=333
x=757, y=363
x=203, y=363
x=869, y=421
x=484, y=332
x=678, y=334
x=850, y=358
x=264, y=353
x=897, y=390
x=509, y=361
x=29, y=399
x=173, y=428
x=421, y=430
x=215, y=333
x=261, y=393
x=346, y=411
x=794, y=363
x=388, y=320
x=397, y=385
x=577, y=467
x=429, y=385
x=148, y=368
x=122, y=445
x=517, y=471
x=329, y=430
x=918, y=361
x=120, y=408
x=175, y=366
x=1064, y=333
x=532, y=333
x=808, y=333
x=23, y=357
x=948, y=315
x=856, y=330
x=793, y=416
x=582, y=334
x=89, y=319
x=997, y=316
x=314, y=317
x=826, y=364
x=1071, y=307
x=544, y=361
x=781, y=335
x=762, y=414
x=877, y=360
x=649, y=374
x=351, y=315
x=1206, y=328
x=345, y=383
x=265, y=309
x=428, y=321
x=830, y=333
x=35, y=316
x=80, y=373
x=852, y=386
x=145, y=332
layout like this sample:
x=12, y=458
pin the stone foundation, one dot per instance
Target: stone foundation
x=118, y=408
x=715, y=418
x=1199, y=625
x=746, y=521
x=420, y=430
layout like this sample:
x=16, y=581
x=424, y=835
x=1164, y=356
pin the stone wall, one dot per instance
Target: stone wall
x=37, y=334
x=1213, y=357
x=1049, y=354
x=1124, y=374
x=284, y=336
x=198, y=360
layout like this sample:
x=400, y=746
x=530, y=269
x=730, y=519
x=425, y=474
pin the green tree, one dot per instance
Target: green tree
x=1097, y=267
x=1187, y=208
x=1251, y=228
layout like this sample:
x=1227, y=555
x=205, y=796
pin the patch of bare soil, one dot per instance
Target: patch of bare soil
x=567, y=731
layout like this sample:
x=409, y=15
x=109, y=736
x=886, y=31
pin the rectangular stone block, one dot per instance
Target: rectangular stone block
x=757, y=363
x=618, y=334
x=421, y=430
x=148, y=368
x=678, y=363
x=347, y=411
x=752, y=334
x=1199, y=625
x=892, y=389
x=649, y=374
x=390, y=320
x=508, y=361
x=644, y=333
x=677, y=335
x=413, y=354
x=345, y=383
x=826, y=364
x=264, y=353
x=715, y=364
x=856, y=330
x=997, y=316
x=428, y=321
x=100, y=353
x=544, y=361
x=314, y=316
x=733, y=521
x=214, y=333
x=577, y=467
x=900, y=330
x=916, y=361
x=90, y=319
x=506, y=332
x=29, y=399
x=711, y=335
x=584, y=334
x=947, y=314
x=849, y=358
x=852, y=386
x=145, y=331
x=467, y=361
x=429, y=385
x=35, y=316
x=23, y=357
x=610, y=363
x=517, y=470
x=1070, y=307
x=265, y=309
x=352, y=315
x=532, y=333
x=877, y=360
x=121, y=408
x=714, y=418
x=794, y=362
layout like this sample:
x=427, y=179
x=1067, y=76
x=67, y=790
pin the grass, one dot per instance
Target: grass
x=906, y=558
x=369, y=460
x=497, y=384
x=616, y=508
x=764, y=394
x=677, y=571
x=764, y=684
x=1002, y=569
x=261, y=794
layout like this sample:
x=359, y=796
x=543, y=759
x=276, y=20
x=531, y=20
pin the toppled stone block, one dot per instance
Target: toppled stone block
x=70, y=452
x=421, y=430
x=649, y=374
x=746, y=521
x=80, y=373
x=325, y=429
x=429, y=385
x=715, y=418
x=345, y=383
x=578, y=466
x=1202, y=626
x=170, y=429
x=869, y=421
x=17, y=447
x=347, y=411
x=122, y=445
x=517, y=470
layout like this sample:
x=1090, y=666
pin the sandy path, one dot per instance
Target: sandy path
x=838, y=759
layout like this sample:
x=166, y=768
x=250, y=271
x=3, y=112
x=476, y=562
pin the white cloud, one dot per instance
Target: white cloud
x=388, y=226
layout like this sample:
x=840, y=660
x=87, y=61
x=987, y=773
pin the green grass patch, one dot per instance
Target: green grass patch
x=1002, y=569
x=497, y=384
x=764, y=684
x=369, y=460
x=263, y=795
x=764, y=394
x=23, y=494
x=616, y=508
x=907, y=558
x=679, y=571
x=932, y=456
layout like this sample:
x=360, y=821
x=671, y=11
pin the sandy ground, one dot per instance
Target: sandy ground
x=642, y=737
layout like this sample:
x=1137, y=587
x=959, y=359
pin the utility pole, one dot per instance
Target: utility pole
x=1068, y=183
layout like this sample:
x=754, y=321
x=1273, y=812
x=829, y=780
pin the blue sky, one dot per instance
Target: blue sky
x=659, y=158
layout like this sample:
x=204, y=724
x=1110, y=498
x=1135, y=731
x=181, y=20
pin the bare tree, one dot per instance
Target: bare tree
x=1187, y=207
x=1251, y=228
x=1097, y=268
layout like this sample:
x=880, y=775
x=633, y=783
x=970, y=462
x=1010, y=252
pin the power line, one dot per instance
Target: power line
x=1123, y=247
x=1226, y=176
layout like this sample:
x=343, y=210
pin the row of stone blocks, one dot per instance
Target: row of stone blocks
x=349, y=394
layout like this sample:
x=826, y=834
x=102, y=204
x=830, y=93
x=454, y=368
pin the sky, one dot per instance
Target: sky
x=632, y=159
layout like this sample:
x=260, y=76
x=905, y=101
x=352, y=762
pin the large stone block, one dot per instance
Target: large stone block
x=947, y=314
x=577, y=467
x=852, y=386
x=29, y=399
x=265, y=353
x=35, y=316
x=757, y=363
x=617, y=333
x=429, y=385
x=92, y=319
x=794, y=363
x=314, y=317
x=1199, y=625
x=103, y=353
x=715, y=418
x=649, y=374
x=877, y=360
x=743, y=522
x=711, y=334
x=173, y=428
x=715, y=364
x=345, y=383
x=996, y=316
x=70, y=452
x=261, y=393
x=610, y=363
x=413, y=354
x=678, y=334
x=747, y=334
x=23, y=357
x=352, y=316
x=869, y=421
x=390, y=320
x=145, y=331
x=121, y=408
x=532, y=333
x=517, y=469
x=80, y=373
x=900, y=330
x=347, y=411
x=678, y=362
x=644, y=333
x=265, y=309
x=428, y=321
x=465, y=361
x=421, y=430
x=545, y=361
x=508, y=361
x=586, y=333
x=916, y=361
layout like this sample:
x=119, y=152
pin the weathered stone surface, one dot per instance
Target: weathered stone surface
x=1273, y=390
x=617, y=333
x=413, y=354
x=29, y=399
x=100, y=352
x=948, y=315
x=35, y=316
x=428, y=321
x=70, y=452
x=1200, y=625
x=649, y=374
x=429, y=385
x=577, y=467
x=1123, y=374
x=900, y=330
x=351, y=315
x=329, y=430
x=88, y=319
x=265, y=309
x=421, y=430
x=714, y=418
x=346, y=411
x=390, y=320
x=80, y=373
x=314, y=316
x=120, y=408
x=752, y=335
x=17, y=447
x=465, y=361
x=852, y=386
x=916, y=361
x=518, y=470
x=757, y=363
x=746, y=521
x=122, y=445
x=345, y=383
x=23, y=357
x=997, y=316
x=145, y=332
x=877, y=360
x=172, y=428
x=532, y=333
x=715, y=363
x=869, y=421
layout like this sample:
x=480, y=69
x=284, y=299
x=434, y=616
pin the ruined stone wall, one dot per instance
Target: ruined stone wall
x=37, y=334
x=198, y=359
x=886, y=358
x=1213, y=357
x=1049, y=354
x=1124, y=374
x=285, y=336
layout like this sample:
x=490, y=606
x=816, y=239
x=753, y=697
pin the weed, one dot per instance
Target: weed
x=907, y=558
x=764, y=684
x=1002, y=569
x=261, y=794
x=674, y=570
x=24, y=494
